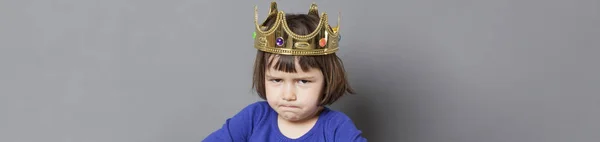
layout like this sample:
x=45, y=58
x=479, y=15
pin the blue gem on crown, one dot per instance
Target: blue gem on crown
x=279, y=41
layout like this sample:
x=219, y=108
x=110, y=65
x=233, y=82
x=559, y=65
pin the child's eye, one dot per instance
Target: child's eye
x=275, y=80
x=303, y=81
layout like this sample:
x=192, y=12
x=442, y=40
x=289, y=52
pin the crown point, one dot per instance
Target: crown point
x=313, y=10
x=273, y=8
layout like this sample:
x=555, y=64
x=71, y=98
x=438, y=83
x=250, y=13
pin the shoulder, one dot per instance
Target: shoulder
x=257, y=110
x=342, y=127
x=335, y=118
x=257, y=106
x=241, y=125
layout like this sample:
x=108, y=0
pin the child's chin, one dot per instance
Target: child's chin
x=289, y=117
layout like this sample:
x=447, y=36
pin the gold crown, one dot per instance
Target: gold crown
x=279, y=39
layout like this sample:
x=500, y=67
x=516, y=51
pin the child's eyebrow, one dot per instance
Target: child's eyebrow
x=269, y=76
x=303, y=77
x=306, y=77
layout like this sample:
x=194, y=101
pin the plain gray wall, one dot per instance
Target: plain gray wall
x=425, y=71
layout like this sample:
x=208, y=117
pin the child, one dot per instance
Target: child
x=297, y=72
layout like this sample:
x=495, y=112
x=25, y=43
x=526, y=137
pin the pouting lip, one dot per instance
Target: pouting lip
x=289, y=106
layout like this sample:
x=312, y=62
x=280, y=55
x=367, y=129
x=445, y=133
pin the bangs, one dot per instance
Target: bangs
x=287, y=63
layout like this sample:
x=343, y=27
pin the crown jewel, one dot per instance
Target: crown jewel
x=279, y=39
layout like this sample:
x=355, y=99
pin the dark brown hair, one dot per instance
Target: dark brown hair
x=335, y=82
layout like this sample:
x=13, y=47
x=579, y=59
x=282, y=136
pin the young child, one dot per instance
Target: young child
x=297, y=72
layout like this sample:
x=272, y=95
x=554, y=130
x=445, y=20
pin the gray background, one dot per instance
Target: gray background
x=425, y=71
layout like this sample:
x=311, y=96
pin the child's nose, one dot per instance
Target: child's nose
x=289, y=93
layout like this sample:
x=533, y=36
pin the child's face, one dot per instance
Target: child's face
x=294, y=96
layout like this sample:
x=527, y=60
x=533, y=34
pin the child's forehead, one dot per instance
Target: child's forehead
x=286, y=64
x=298, y=70
x=313, y=73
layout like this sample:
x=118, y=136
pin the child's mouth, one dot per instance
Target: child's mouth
x=289, y=106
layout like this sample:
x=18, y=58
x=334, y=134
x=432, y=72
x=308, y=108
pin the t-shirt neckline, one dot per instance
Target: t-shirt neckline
x=307, y=134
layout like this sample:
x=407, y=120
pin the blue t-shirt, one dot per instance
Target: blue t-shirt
x=258, y=123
